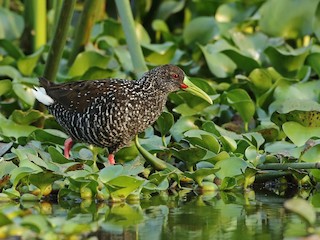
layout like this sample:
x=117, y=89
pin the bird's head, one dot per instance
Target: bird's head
x=171, y=78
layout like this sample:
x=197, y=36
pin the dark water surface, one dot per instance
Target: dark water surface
x=217, y=215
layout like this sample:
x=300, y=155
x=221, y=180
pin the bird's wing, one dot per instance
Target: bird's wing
x=76, y=95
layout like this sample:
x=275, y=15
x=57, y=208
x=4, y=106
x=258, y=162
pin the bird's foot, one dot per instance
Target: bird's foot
x=67, y=147
x=111, y=159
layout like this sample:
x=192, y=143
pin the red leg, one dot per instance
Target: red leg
x=67, y=147
x=111, y=159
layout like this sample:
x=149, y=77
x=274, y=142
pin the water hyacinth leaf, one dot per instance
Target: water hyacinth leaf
x=300, y=134
x=11, y=49
x=26, y=64
x=168, y=8
x=10, y=72
x=240, y=100
x=228, y=143
x=4, y=147
x=261, y=79
x=5, y=86
x=200, y=174
x=158, y=54
x=9, y=128
x=121, y=186
x=110, y=172
x=296, y=23
x=305, y=118
x=219, y=64
x=57, y=156
x=313, y=60
x=127, y=153
x=84, y=61
x=164, y=123
x=302, y=208
x=43, y=181
x=230, y=167
x=49, y=135
x=190, y=155
x=200, y=30
x=228, y=183
x=11, y=24
x=182, y=125
x=205, y=141
x=24, y=93
x=288, y=105
x=311, y=155
x=25, y=118
x=287, y=62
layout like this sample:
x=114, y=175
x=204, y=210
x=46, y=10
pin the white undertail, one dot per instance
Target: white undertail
x=42, y=96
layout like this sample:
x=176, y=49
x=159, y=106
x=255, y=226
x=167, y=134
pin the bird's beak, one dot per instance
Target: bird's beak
x=188, y=86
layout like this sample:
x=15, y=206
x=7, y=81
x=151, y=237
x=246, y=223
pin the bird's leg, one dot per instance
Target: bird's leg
x=111, y=159
x=67, y=147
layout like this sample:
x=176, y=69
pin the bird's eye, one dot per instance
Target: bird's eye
x=174, y=75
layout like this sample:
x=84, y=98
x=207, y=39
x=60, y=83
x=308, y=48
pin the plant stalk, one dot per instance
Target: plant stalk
x=128, y=25
x=288, y=166
x=89, y=14
x=59, y=39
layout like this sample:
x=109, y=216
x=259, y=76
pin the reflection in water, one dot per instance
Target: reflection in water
x=217, y=216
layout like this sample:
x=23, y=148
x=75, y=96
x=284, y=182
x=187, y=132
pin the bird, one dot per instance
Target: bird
x=111, y=112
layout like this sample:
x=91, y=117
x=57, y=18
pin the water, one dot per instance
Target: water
x=181, y=215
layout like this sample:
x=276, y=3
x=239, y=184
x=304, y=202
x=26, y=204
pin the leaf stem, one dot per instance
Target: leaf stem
x=128, y=25
x=157, y=163
x=59, y=39
x=288, y=166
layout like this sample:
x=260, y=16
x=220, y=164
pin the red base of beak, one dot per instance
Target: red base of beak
x=183, y=86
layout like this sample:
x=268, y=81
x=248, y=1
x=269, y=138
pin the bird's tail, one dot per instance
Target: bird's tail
x=40, y=92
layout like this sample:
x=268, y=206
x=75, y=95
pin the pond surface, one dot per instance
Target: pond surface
x=182, y=215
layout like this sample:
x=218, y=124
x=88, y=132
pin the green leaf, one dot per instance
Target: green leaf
x=200, y=174
x=26, y=118
x=200, y=30
x=11, y=49
x=11, y=24
x=168, y=8
x=9, y=128
x=182, y=125
x=57, y=156
x=190, y=156
x=230, y=167
x=296, y=23
x=302, y=208
x=24, y=93
x=240, y=100
x=85, y=60
x=313, y=60
x=289, y=61
x=228, y=183
x=110, y=172
x=164, y=123
x=5, y=86
x=299, y=134
x=10, y=72
x=122, y=186
x=48, y=135
x=27, y=64
x=219, y=64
